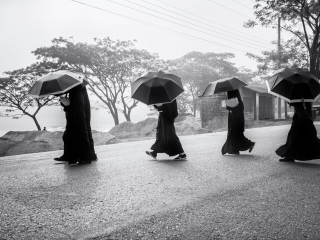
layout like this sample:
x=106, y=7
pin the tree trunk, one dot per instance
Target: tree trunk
x=313, y=58
x=314, y=66
x=36, y=122
x=115, y=119
x=317, y=70
x=127, y=116
x=195, y=103
x=115, y=115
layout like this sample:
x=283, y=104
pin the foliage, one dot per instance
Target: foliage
x=293, y=54
x=298, y=17
x=196, y=76
x=198, y=69
x=110, y=67
x=219, y=62
x=14, y=89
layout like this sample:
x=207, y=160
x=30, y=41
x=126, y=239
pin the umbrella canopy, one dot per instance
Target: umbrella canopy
x=294, y=85
x=57, y=82
x=223, y=85
x=156, y=87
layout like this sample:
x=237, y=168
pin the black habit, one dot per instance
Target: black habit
x=302, y=141
x=236, y=141
x=77, y=143
x=166, y=139
x=87, y=112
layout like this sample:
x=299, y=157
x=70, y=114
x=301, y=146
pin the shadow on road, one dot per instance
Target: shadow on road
x=303, y=164
x=170, y=161
x=249, y=157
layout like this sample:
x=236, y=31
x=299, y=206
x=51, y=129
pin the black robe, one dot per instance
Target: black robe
x=76, y=136
x=302, y=141
x=167, y=140
x=87, y=112
x=236, y=141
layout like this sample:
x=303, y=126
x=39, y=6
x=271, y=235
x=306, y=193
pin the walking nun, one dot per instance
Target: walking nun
x=77, y=138
x=167, y=140
x=302, y=141
x=299, y=88
x=161, y=89
x=236, y=141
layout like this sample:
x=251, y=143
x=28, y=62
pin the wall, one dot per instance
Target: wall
x=211, y=108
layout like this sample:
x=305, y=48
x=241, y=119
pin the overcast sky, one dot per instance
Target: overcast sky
x=170, y=28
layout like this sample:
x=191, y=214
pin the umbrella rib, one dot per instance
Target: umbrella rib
x=59, y=84
x=166, y=92
x=150, y=87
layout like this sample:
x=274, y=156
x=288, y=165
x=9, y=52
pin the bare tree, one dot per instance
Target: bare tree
x=110, y=67
x=14, y=90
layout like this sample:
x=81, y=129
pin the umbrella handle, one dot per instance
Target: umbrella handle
x=304, y=105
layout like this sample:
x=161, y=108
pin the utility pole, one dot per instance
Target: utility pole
x=279, y=66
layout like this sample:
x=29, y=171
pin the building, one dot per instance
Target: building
x=258, y=105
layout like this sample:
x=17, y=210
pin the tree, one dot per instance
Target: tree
x=299, y=17
x=110, y=67
x=198, y=69
x=196, y=77
x=220, y=62
x=15, y=87
x=293, y=54
x=248, y=76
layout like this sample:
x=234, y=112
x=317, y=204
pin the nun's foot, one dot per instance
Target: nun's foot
x=252, y=146
x=180, y=157
x=72, y=162
x=152, y=154
x=286, y=159
x=61, y=159
x=84, y=161
x=235, y=153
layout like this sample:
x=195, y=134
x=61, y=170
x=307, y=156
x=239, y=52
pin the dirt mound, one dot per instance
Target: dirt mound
x=15, y=143
x=128, y=129
x=185, y=125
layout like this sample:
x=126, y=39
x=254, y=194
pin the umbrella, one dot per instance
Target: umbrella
x=223, y=85
x=294, y=85
x=156, y=87
x=56, y=83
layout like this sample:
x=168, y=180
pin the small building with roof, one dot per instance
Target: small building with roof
x=258, y=104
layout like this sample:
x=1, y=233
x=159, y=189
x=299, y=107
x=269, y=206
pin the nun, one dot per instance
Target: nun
x=77, y=137
x=236, y=141
x=302, y=141
x=167, y=140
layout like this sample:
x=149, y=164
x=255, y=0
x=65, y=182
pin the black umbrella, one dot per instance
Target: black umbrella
x=156, y=87
x=294, y=85
x=56, y=83
x=223, y=85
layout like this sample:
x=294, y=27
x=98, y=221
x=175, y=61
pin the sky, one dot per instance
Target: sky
x=171, y=28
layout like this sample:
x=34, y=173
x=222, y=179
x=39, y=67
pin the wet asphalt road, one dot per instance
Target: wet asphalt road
x=127, y=195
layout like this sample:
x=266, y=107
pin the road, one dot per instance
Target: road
x=127, y=195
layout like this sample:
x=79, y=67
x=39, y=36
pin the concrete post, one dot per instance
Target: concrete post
x=273, y=107
x=257, y=106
